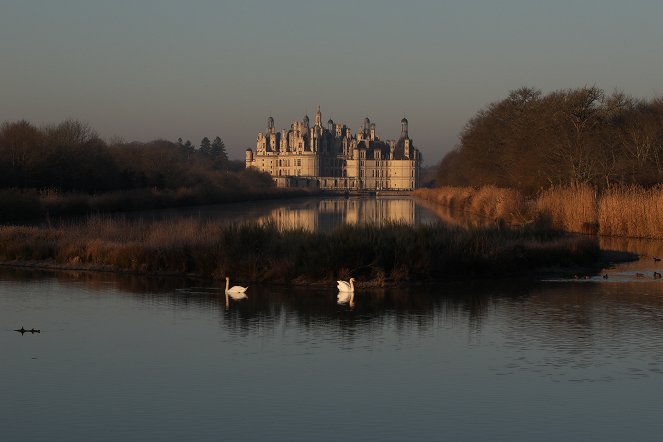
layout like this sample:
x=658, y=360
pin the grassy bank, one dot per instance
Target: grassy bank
x=33, y=205
x=375, y=255
x=628, y=211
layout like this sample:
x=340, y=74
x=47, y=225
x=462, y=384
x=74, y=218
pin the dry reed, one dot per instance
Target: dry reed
x=572, y=209
x=632, y=211
x=626, y=211
x=489, y=201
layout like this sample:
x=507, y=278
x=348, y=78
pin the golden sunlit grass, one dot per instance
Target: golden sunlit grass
x=572, y=209
x=629, y=211
x=262, y=252
x=488, y=201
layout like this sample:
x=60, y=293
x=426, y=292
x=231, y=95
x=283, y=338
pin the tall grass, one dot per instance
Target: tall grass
x=628, y=211
x=491, y=202
x=572, y=209
x=263, y=252
x=631, y=211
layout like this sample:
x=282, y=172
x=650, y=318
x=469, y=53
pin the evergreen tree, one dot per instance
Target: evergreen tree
x=206, y=147
x=218, y=152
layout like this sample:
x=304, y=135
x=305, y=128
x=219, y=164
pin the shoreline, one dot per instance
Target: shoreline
x=608, y=259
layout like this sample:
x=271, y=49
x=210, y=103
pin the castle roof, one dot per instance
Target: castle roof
x=399, y=150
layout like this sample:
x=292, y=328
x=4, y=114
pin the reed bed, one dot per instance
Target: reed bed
x=499, y=204
x=375, y=255
x=631, y=211
x=572, y=209
x=625, y=211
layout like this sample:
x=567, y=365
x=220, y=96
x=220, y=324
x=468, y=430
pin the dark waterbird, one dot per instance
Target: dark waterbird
x=25, y=330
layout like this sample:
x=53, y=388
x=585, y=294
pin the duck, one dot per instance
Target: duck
x=23, y=330
x=236, y=291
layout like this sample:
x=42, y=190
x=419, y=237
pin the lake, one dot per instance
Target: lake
x=133, y=358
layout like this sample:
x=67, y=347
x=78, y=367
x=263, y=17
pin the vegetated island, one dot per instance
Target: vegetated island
x=376, y=256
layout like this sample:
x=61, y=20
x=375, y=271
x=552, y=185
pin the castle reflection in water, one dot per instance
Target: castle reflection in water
x=327, y=214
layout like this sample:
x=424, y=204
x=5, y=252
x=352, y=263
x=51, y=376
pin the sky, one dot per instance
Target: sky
x=142, y=70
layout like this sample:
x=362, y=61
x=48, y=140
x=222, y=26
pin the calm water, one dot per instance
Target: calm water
x=315, y=214
x=130, y=358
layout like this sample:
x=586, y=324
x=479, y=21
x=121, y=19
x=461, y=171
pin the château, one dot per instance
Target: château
x=333, y=158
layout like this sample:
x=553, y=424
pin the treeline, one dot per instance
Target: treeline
x=532, y=141
x=46, y=169
x=71, y=157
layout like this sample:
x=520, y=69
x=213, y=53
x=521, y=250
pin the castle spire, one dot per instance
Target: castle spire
x=318, y=117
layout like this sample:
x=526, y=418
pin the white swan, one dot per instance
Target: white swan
x=236, y=291
x=344, y=287
x=346, y=292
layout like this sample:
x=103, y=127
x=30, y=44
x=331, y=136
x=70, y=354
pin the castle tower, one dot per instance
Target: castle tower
x=318, y=117
x=372, y=131
x=305, y=121
x=330, y=125
x=404, y=128
x=270, y=125
x=248, y=158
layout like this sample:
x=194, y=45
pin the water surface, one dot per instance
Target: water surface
x=122, y=358
x=148, y=359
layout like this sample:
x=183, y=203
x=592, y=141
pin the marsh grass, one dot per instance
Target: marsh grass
x=572, y=209
x=495, y=203
x=627, y=211
x=375, y=255
x=631, y=211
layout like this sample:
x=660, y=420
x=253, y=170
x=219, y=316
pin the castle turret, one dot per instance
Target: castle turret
x=404, y=128
x=270, y=125
x=249, y=158
x=305, y=121
x=318, y=117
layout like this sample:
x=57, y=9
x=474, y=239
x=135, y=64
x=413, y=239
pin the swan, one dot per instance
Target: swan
x=345, y=297
x=236, y=291
x=346, y=292
x=344, y=287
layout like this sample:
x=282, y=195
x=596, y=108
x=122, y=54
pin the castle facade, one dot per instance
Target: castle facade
x=333, y=158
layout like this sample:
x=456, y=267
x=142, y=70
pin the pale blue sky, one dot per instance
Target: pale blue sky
x=167, y=69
